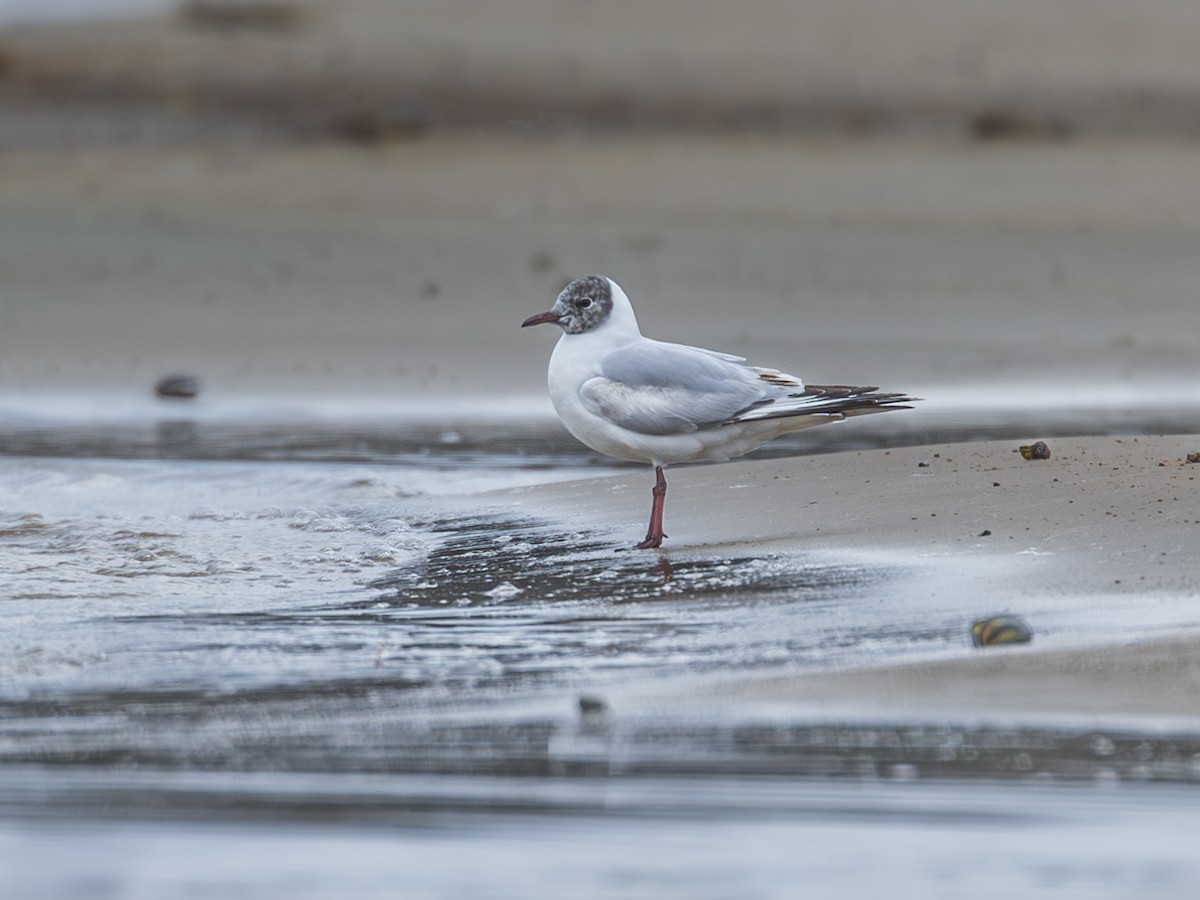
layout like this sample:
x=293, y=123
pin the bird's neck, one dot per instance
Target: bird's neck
x=608, y=336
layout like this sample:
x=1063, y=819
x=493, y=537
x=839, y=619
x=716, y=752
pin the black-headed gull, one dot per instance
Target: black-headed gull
x=643, y=400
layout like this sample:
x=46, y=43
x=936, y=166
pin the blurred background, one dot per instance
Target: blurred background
x=361, y=198
x=262, y=269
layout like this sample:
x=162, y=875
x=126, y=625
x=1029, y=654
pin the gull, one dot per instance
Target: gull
x=642, y=400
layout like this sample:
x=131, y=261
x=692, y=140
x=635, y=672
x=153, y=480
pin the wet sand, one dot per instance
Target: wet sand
x=1114, y=519
x=1021, y=276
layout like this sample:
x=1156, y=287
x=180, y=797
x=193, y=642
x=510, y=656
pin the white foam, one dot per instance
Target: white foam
x=84, y=542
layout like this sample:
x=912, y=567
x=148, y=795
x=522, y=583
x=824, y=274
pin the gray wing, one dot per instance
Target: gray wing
x=657, y=388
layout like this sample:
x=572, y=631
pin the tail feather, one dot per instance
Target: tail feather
x=833, y=401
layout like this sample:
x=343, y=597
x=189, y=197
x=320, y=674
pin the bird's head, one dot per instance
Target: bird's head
x=587, y=304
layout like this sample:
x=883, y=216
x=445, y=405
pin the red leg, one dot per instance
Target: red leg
x=654, y=536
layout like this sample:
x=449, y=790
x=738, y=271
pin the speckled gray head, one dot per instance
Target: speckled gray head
x=584, y=304
x=587, y=303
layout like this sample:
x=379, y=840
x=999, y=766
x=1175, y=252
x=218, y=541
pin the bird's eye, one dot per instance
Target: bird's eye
x=585, y=303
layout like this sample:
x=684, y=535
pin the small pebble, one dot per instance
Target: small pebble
x=1193, y=457
x=1000, y=630
x=1038, y=450
x=592, y=706
x=178, y=387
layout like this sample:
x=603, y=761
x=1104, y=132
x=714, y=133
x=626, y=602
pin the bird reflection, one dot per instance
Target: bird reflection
x=664, y=570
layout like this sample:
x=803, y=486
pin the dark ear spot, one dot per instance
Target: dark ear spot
x=589, y=301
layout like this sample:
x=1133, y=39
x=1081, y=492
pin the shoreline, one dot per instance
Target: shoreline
x=1010, y=282
x=1104, y=531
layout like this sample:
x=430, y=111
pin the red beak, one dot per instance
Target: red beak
x=541, y=318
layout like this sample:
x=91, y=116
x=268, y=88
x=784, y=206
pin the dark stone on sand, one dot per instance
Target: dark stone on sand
x=178, y=387
x=1037, y=450
x=592, y=706
x=1003, y=629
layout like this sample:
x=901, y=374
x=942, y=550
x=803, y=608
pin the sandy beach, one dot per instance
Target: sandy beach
x=990, y=531
x=1016, y=285
x=1064, y=273
x=1036, y=283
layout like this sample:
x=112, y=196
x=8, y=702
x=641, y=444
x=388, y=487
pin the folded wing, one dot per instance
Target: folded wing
x=662, y=389
x=657, y=388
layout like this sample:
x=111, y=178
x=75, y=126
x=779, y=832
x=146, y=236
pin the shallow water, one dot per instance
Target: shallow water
x=261, y=641
x=143, y=591
x=706, y=838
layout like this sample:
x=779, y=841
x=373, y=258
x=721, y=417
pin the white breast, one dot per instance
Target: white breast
x=575, y=360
